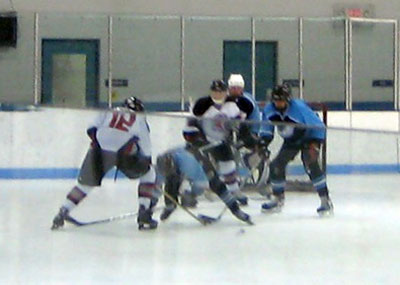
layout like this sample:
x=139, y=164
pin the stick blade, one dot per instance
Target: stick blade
x=206, y=220
x=71, y=220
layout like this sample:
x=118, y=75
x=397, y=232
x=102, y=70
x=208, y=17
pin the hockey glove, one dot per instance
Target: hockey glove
x=263, y=144
x=131, y=147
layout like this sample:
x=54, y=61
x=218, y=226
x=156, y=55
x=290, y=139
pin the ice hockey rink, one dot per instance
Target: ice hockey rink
x=359, y=245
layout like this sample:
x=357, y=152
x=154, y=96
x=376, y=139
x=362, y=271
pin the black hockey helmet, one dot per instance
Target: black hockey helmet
x=134, y=104
x=281, y=92
x=218, y=86
x=193, y=136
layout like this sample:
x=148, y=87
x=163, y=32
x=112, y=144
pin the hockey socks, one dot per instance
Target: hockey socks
x=76, y=195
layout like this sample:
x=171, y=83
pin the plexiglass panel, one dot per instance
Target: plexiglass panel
x=324, y=61
x=372, y=65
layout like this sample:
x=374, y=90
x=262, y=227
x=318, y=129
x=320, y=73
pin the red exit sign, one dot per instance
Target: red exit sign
x=354, y=12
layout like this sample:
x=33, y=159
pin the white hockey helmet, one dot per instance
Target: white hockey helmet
x=236, y=80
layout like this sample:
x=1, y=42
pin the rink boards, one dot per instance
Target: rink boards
x=51, y=143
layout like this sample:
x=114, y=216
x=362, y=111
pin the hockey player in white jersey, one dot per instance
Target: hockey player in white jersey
x=214, y=116
x=119, y=138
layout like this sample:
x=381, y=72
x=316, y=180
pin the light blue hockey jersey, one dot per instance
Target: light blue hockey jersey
x=298, y=112
x=255, y=115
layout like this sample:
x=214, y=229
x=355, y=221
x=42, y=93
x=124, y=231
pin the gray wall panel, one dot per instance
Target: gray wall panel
x=204, y=50
x=146, y=51
x=306, y=8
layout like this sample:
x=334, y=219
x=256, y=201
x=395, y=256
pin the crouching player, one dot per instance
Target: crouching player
x=183, y=177
x=195, y=165
x=121, y=139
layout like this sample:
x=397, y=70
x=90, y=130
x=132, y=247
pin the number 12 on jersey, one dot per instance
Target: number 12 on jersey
x=119, y=122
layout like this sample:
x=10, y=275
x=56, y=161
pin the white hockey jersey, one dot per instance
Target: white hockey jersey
x=115, y=128
x=214, y=123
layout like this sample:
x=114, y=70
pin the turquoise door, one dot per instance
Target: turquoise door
x=70, y=72
x=237, y=59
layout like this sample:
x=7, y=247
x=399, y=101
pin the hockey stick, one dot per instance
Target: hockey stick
x=116, y=174
x=78, y=223
x=202, y=219
x=216, y=218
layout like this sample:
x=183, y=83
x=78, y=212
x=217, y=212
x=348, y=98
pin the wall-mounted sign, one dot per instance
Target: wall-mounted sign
x=292, y=82
x=117, y=82
x=382, y=83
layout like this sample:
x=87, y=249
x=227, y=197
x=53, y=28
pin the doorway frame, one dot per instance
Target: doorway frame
x=89, y=47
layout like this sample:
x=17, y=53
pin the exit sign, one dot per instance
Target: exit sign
x=354, y=12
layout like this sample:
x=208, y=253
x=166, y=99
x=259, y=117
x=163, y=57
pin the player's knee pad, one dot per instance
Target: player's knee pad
x=310, y=158
x=310, y=153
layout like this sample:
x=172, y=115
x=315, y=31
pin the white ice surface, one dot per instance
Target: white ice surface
x=359, y=245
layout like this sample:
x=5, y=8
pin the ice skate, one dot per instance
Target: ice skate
x=241, y=198
x=326, y=208
x=238, y=213
x=274, y=205
x=59, y=219
x=167, y=211
x=145, y=221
